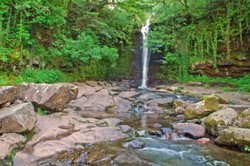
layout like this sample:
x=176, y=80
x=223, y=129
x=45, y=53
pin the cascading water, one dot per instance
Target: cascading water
x=145, y=55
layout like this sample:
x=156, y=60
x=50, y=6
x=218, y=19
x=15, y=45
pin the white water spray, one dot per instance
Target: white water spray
x=145, y=55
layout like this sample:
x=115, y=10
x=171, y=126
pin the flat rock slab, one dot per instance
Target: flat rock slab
x=53, y=97
x=63, y=133
x=190, y=129
x=18, y=118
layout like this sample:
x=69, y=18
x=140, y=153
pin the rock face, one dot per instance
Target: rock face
x=8, y=142
x=220, y=120
x=195, y=111
x=19, y=118
x=7, y=94
x=61, y=133
x=190, y=129
x=53, y=97
x=233, y=136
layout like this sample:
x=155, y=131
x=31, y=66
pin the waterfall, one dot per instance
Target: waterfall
x=145, y=55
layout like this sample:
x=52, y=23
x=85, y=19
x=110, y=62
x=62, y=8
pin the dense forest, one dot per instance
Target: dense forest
x=89, y=39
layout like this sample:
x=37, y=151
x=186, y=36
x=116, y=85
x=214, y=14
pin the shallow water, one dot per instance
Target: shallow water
x=183, y=151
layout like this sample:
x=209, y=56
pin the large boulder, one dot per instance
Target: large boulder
x=8, y=142
x=190, y=129
x=7, y=94
x=234, y=136
x=196, y=111
x=243, y=120
x=53, y=97
x=220, y=120
x=18, y=118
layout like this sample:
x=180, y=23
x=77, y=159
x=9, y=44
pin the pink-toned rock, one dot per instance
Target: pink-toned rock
x=63, y=132
x=8, y=142
x=203, y=141
x=122, y=105
x=18, y=118
x=7, y=94
x=190, y=129
x=48, y=96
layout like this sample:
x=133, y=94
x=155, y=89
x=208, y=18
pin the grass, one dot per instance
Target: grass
x=35, y=76
x=240, y=84
x=41, y=111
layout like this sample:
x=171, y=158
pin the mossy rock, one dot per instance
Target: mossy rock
x=243, y=120
x=235, y=137
x=218, y=121
x=196, y=112
x=211, y=103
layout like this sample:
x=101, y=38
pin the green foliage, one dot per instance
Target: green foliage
x=200, y=30
x=41, y=76
x=41, y=111
x=241, y=84
x=246, y=148
x=85, y=49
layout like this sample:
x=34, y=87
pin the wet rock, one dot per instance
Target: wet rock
x=112, y=121
x=196, y=111
x=211, y=103
x=220, y=120
x=160, y=105
x=155, y=133
x=135, y=144
x=95, y=154
x=122, y=105
x=95, y=104
x=177, y=111
x=234, y=136
x=53, y=97
x=128, y=94
x=157, y=125
x=141, y=133
x=190, y=129
x=7, y=94
x=147, y=96
x=18, y=118
x=165, y=130
x=243, y=120
x=8, y=142
x=203, y=141
x=63, y=132
x=125, y=128
x=180, y=103
x=81, y=158
x=130, y=158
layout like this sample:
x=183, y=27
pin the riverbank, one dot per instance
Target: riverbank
x=93, y=123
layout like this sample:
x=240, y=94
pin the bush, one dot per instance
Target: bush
x=41, y=76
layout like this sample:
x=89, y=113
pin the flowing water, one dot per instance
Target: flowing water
x=159, y=151
x=145, y=55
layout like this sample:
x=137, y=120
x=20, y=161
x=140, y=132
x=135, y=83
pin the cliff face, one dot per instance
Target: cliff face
x=237, y=65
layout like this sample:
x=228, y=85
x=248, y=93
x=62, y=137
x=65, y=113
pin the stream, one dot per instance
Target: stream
x=158, y=150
